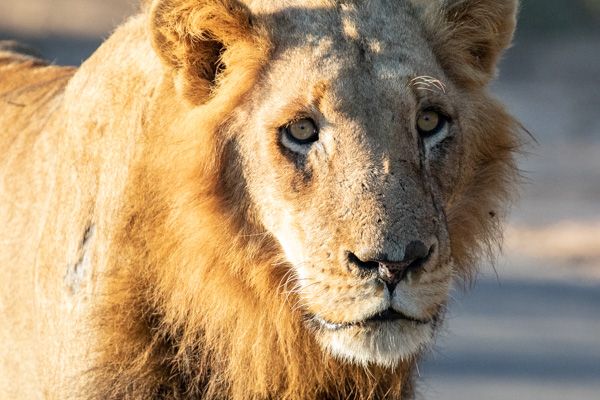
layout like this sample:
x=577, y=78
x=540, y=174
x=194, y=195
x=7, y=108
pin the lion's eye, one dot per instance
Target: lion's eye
x=430, y=122
x=302, y=130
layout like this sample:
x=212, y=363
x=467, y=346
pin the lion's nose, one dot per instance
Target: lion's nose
x=392, y=271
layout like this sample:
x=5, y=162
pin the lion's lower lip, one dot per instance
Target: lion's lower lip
x=388, y=315
x=393, y=315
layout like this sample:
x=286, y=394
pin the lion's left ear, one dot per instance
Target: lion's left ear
x=470, y=35
x=202, y=41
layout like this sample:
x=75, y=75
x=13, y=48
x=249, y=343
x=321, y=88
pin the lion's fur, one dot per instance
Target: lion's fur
x=139, y=265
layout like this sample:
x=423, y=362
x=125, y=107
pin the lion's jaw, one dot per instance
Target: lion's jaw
x=363, y=320
x=385, y=344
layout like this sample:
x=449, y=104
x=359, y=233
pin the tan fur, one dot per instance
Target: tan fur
x=162, y=238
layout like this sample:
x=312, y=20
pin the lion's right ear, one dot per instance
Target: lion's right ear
x=202, y=40
x=470, y=35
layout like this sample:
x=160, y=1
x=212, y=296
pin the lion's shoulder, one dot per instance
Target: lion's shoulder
x=28, y=85
x=23, y=68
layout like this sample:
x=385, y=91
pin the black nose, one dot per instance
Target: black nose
x=392, y=271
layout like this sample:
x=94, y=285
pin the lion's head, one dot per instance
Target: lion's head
x=320, y=172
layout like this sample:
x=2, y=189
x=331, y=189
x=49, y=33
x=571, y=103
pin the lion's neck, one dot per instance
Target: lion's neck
x=205, y=332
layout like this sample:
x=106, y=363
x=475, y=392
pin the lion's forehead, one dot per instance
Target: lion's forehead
x=373, y=31
x=364, y=50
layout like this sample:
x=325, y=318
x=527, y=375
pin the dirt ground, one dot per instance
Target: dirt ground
x=530, y=328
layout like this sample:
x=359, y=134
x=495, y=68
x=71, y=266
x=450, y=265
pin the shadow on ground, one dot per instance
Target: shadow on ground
x=518, y=340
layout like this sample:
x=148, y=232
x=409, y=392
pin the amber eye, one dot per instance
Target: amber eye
x=302, y=130
x=430, y=122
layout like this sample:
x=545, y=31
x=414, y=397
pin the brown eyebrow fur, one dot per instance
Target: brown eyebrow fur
x=318, y=92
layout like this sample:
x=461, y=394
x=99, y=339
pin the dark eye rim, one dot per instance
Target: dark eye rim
x=313, y=138
x=444, y=119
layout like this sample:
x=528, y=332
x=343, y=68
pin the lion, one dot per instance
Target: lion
x=249, y=199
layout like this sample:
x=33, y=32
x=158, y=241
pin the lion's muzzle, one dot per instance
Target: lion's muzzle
x=390, y=271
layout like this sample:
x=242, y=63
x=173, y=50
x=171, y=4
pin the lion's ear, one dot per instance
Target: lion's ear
x=195, y=37
x=470, y=35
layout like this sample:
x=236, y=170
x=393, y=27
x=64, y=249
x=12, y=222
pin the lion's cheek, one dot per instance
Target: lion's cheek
x=291, y=242
x=339, y=300
x=425, y=298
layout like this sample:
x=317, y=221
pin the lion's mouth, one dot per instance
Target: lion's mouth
x=389, y=315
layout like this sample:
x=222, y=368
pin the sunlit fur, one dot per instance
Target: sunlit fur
x=158, y=241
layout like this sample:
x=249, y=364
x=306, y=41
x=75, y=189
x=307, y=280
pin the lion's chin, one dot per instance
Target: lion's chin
x=384, y=343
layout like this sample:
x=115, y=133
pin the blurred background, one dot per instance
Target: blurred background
x=530, y=327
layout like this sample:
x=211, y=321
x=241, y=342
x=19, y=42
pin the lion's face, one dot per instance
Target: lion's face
x=368, y=149
x=348, y=155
